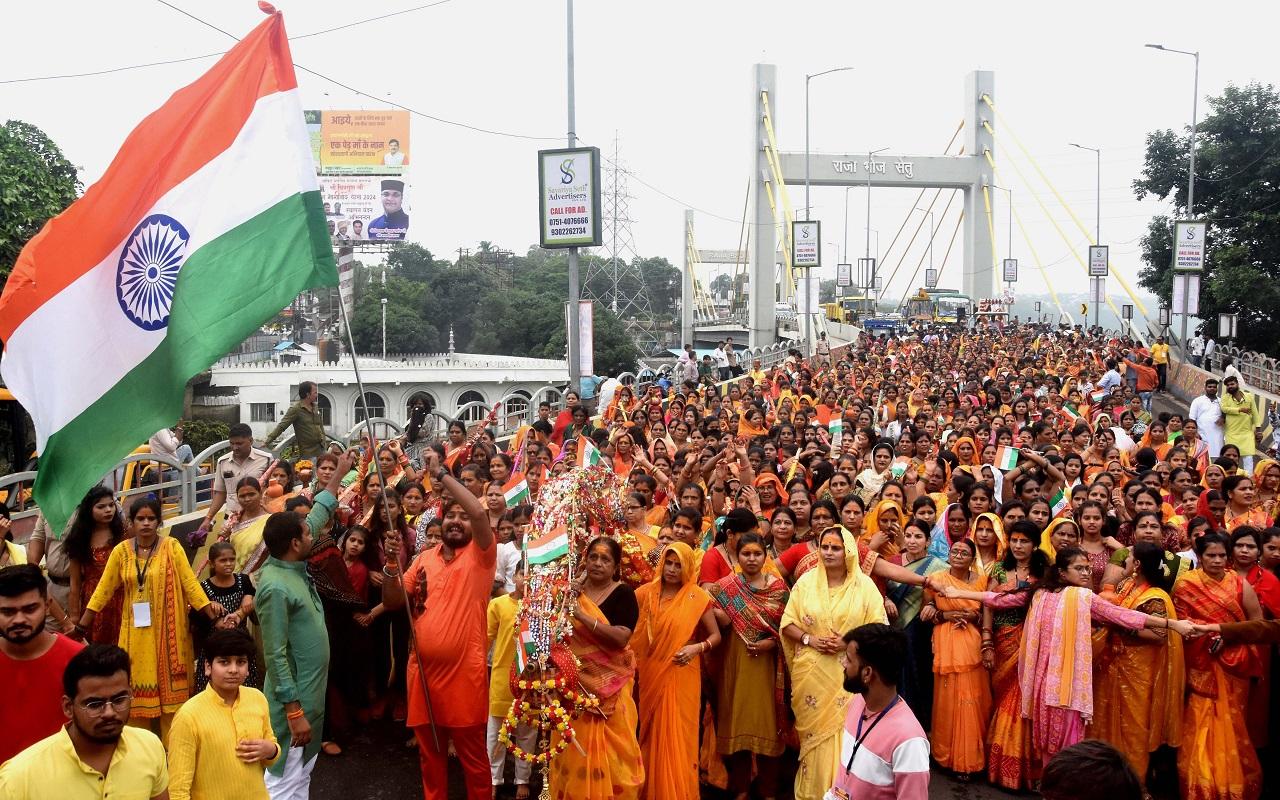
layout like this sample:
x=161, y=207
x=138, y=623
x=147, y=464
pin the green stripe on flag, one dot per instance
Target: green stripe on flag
x=225, y=291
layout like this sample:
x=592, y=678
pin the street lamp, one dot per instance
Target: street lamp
x=871, y=154
x=1195, y=97
x=808, y=78
x=1097, y=229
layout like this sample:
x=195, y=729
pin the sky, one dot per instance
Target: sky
x=671, y=82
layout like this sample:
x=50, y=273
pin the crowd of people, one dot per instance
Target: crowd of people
x=975, y=550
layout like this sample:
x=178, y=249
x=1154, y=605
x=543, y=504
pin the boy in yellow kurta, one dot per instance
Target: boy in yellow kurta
x=221, y=741
x=502, y=648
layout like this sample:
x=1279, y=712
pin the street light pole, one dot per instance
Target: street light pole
x=1097, y=195
x=1191, y=168
x=870, y=155
x=575, y=333
x=808, y=78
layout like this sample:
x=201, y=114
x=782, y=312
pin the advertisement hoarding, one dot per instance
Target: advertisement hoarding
x=569, y=197
x=1188, y=245
x=1011, y=270
x=806, y=247
x=1099, y=261
x=365, y=208
x=844, y=274
x=359, y=142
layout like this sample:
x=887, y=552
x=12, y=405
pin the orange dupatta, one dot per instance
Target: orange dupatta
x=1199, y=598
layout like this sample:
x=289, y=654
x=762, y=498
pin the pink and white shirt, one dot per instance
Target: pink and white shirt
x=892, y=762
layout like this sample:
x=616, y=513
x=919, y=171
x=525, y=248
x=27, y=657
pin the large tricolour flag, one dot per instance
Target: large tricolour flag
x=206, y=224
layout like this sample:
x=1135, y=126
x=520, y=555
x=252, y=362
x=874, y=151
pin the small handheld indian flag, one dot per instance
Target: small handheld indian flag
x=516, y=490
x=1098, y=396
x=588, y=453
x=1069, y=413
x=525, y=648
x=1006, y=458
x=1059, y=501
x=548, y=548
x=836, y=429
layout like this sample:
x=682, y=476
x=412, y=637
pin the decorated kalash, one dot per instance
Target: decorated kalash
x=546, y=679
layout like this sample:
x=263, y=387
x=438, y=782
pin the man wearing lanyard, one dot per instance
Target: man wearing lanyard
x=884, y=754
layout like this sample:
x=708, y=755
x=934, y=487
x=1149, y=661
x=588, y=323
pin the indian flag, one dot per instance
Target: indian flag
x=206, y=224
x=547, y=548
x=1098, y=396
x=1059, y=501
x=525, y=647
x=1069, y=413
x=836, y=429
x=588, y=453
x=516, y=490
x=1006, y=458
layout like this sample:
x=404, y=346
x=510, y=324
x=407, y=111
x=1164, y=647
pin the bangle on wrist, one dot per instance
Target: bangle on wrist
x=292, y=715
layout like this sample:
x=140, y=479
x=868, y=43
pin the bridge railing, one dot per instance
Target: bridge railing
x=1260, y=371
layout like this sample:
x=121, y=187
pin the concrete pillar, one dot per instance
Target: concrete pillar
x=980, y=269
x=686, y=284
x=762, y=322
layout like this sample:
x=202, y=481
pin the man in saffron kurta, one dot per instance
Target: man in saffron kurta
x=449, y=589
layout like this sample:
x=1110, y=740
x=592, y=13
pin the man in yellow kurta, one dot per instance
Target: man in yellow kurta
x=1243, y=420
x=221, y=740
x=503, y=643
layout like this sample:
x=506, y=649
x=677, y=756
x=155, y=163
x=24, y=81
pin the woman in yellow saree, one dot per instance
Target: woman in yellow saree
x=604, y=764
x=1217, y=760
x=244, y=530
x=1139, y=676
x=674, y=611
x=827, y=602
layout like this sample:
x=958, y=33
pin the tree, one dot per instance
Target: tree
x=1237, y=174
x=36, y=183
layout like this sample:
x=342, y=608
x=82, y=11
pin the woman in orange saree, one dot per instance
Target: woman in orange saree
x=674, y=611
x=1139, y=676
x=608, y=765
x=1217, y=760
x=961, y=687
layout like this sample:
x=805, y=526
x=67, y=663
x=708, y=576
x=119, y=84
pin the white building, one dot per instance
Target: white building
x=462, y=385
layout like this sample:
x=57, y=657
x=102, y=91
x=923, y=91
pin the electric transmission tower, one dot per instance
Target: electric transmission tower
x=615, y=280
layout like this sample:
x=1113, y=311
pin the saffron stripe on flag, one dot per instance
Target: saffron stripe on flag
x=516, y=490
x=548, y=548
x=1006, y=458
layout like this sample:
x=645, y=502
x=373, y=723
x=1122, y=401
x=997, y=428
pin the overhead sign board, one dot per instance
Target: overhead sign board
x=569, y=197
x=930, y=278
x=806, y=244
x=1099, y=261
x=844, y=274
x=1010, y=270
x=1188, y=245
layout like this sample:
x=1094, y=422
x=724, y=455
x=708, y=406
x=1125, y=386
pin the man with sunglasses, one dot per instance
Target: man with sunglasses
x=32, y=659
x=95, y=754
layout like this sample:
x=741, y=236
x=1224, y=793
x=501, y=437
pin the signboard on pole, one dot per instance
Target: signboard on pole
x=1097, y=290
x=1099, y=261
x=930, y=278
x=866, y=270
x=1011, y=270
x=586, y=333
x=1188, y=245
x=808, y=295
x=569, y=197
x=359, y=142
x=363, y=208
x=806, y=244
x=1186, y=293
x=844, y=274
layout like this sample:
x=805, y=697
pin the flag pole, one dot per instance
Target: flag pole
x=386, y=509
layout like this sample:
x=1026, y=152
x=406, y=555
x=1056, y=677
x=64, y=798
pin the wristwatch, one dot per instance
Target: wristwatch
x=804, y=640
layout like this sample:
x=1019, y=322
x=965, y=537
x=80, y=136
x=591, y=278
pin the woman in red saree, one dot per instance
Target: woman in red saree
x=675, y=628
x=1139, y=677
x=1217, y=760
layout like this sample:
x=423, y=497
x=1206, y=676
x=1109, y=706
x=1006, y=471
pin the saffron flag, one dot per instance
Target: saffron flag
x=1006, y=458
x=547, y=548
x=588, y=453
x=516, y=490
x=207, y=222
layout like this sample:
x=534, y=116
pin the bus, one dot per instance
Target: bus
x=937, y=305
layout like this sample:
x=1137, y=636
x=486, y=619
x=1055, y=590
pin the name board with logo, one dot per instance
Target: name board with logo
x=569, y=197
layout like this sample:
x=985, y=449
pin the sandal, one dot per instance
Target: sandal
x=522, y=791
x=331, y=749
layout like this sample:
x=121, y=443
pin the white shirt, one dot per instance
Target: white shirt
x=1196, y=345
x=607, y=390
x=393, y=159
x=719, y=358
x=165, y=442
x=1207, y=414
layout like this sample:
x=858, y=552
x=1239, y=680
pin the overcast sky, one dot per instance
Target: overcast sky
x=672, y=80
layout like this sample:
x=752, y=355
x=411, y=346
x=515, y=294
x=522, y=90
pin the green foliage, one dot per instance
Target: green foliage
x=425, y=296
x=1237, y=172
x=36, y=183
x=201, y=433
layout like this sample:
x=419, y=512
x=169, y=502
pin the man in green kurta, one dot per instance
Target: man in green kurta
x=1243, y=421
x=295, y=642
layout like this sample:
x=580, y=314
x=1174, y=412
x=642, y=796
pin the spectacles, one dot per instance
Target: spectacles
x=97, y=706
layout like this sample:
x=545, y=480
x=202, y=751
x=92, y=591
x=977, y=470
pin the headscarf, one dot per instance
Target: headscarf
x=940, y=539
x=819, y=610
x=976, y=452
x=1046, y=544
x=1260, y=469
x=1002, y=542
x=746, y=429
x=871, y=526
x=769, y=477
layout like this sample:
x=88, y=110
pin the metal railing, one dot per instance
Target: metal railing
x=1260, y=371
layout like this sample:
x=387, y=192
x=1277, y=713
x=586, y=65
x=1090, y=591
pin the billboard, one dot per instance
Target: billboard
x=359, y=142
x=365, y=208
x=569, y=197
